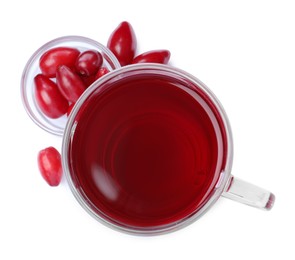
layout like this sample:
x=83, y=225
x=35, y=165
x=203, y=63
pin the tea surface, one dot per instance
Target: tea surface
x=146, y=152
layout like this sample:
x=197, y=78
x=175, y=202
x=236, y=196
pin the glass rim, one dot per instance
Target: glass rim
x=223, y=177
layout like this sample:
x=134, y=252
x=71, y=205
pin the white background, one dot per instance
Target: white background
x=243, y=50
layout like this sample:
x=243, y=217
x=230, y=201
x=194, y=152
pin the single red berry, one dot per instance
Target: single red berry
x=122, y=42
x=102, y=71
x=69, y=83
x=55, y=57
x=88, y=62
x=70, y=109
x=155, y=56
x=49, y=163
x=88, y=80
x=48, y=97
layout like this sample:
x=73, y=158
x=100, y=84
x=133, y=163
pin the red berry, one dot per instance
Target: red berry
x=55, y=57
x=88, y=80
x=49, y=163
x=48, y=97
x=70, y=84
x=70, y=109
x=102, y=71
x=155, y=56
x=88, y=62
x=122, y=42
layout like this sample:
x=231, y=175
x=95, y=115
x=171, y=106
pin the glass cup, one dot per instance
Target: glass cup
x=148, y=149
x=56, y=126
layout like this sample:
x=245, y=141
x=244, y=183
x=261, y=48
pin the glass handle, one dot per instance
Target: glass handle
x=249, y=194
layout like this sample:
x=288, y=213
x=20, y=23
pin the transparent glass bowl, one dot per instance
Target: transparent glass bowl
x=56, y=126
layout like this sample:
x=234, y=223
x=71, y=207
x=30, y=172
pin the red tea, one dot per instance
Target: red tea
x=147, y=150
